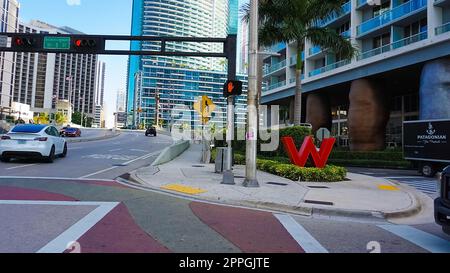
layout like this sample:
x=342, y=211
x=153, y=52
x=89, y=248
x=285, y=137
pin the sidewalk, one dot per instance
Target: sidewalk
x=361, y=196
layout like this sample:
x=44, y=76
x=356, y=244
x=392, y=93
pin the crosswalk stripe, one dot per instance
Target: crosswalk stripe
x=300, y=234
x=418, y=237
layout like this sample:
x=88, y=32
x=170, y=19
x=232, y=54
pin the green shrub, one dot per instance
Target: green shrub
x=387, y=155
x=328, y=174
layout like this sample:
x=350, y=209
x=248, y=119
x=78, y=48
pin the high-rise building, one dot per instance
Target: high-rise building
x=9, y=14
x=243, y=60
x=99, y=118
x=100, y=83
x=400, y=72
x=43, y=79
x=177, y=80
x=121, y=100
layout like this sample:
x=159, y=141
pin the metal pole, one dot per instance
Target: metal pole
x=135, y=98
x=231, y=44
x=252, y=94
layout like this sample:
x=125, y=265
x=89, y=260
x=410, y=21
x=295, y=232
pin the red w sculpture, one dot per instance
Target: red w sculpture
x=300, y=157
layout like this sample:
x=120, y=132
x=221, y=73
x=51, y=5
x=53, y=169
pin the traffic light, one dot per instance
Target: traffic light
x=232, y=88
x=23, y=42
x=88, y=45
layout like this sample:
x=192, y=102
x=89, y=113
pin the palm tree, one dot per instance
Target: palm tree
x=286, y=21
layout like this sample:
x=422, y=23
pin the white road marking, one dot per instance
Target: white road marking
x=125, y=163
x=59, y=244
x=115, y=150
x=138, y=150
x=22, y=166
x=427, y=241
x=306, y=241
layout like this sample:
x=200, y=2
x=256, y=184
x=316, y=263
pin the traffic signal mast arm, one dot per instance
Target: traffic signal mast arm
x=95, y=44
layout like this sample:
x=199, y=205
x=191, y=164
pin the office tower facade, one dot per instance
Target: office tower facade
x=43, y=79
x=177, y=80
x=100, y=83
x=9, y=14
x=121, y=100
x=400, y=72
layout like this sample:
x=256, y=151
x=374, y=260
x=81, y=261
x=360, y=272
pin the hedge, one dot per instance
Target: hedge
x=328, y=174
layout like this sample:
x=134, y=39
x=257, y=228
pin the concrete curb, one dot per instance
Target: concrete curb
x=73, y=140
x=415, y=207
x=171, y=152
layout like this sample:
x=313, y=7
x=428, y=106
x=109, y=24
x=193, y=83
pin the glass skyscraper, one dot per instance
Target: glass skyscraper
x=178, y=80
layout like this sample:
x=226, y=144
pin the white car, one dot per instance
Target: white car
x=32, y=141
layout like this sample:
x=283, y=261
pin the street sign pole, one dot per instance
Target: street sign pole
x=228, y=176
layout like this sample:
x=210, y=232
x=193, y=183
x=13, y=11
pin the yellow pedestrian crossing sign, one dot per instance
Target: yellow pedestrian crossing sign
x=204, y=107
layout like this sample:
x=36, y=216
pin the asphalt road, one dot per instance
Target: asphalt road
x=106, y=159
x=44, y=207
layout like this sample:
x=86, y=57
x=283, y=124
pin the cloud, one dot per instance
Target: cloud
x=73, y=2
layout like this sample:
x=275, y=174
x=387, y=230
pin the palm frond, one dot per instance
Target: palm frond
x=330, y=39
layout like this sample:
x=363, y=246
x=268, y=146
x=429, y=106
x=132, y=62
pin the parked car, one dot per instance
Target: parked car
x=150, y=131
x=425, y=143
x=72, y=132
x=32, y=141
x=442, y=204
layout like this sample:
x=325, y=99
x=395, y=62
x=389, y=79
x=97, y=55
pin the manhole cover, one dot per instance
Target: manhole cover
x=319, y=202
x=277, y=183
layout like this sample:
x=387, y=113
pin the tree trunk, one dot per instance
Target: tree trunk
x=298, y=86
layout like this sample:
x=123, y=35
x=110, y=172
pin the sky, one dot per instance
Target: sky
x=91, y=17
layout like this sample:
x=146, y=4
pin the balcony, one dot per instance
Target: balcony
x=276, y=85
x=346, y=34
x=395, y=45
x=329, y=67
x=314, y=50
x=391, y=15
x=346, y=8
x=443, y=28
x=275, y=67
x=293, y=59
x=293, y=79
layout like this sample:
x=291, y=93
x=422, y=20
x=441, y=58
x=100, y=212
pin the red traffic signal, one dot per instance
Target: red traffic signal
x=232, y=88
x=23, y=42
x=85, y=43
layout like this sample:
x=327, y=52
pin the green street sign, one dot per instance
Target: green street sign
x=56, y=42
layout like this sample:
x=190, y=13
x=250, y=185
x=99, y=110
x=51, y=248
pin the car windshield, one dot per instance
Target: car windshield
x=71, y=129
x=28, y=129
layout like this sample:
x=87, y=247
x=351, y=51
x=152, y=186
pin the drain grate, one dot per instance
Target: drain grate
x=198, y=166
x=319, y=202
x=318, y=187
x=277, y=183
x=120, y=165
x=239, y=176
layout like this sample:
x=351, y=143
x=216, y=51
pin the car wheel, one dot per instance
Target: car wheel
x=5, y=159
x=64, y=153
x=146, y=135
x=51, y=157
x=428, y=170
x=446, y=229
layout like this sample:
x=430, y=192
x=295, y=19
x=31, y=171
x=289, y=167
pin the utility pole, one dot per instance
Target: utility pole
x=252, y=94
x=157, y=107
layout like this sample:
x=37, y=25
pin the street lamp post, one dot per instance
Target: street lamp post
x=252, y=95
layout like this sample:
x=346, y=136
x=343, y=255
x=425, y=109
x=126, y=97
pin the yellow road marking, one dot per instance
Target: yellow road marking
x=183, y=189
x=388, y=188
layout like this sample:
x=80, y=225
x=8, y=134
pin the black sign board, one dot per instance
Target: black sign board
x=427, y=140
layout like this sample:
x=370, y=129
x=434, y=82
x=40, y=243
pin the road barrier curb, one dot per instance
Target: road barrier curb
x=171, y=152
x=73, y=140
